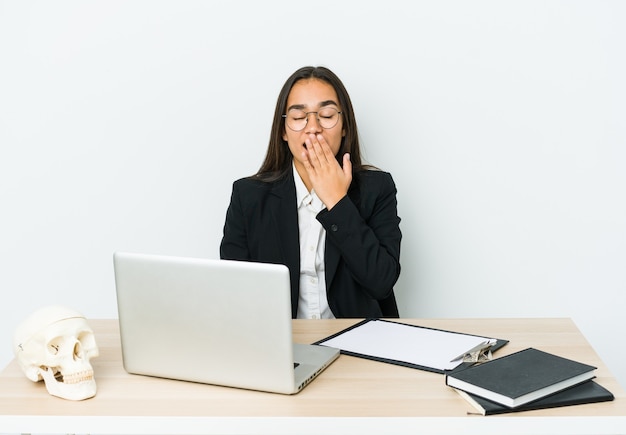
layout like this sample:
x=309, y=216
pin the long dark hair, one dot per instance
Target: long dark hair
x=278, y=158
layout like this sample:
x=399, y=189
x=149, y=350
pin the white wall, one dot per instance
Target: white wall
x=124, y=123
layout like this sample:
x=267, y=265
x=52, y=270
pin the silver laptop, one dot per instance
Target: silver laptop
x=212, y=321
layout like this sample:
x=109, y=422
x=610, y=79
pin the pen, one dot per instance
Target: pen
x=480, y=346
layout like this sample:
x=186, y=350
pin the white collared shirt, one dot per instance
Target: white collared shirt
x=313, y=303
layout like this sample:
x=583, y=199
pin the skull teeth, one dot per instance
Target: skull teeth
x=76, y=378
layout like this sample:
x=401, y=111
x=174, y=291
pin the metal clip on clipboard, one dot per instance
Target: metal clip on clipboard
x=479, y=353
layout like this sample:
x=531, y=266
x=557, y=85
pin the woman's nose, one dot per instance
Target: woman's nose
x=313, y=125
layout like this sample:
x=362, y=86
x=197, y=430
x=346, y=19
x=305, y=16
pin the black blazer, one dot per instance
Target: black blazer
x=362, y=256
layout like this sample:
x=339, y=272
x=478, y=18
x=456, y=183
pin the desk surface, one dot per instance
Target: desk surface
x=353, y=395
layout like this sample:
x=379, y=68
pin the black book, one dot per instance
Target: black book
x=587, y=392
x=521, y=377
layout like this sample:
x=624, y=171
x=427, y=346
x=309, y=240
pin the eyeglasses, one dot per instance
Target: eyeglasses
x=297, y=119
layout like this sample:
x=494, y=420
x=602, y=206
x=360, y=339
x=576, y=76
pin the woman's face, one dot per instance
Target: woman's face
x=312, y=95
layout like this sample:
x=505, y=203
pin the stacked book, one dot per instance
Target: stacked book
x=525, y=380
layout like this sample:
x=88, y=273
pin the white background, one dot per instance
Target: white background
x=124, y=123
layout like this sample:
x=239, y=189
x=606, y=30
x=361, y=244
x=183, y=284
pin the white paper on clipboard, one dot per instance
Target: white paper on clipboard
x=411, y=344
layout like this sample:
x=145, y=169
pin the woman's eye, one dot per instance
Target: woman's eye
x=297, y=116
x=327, y=114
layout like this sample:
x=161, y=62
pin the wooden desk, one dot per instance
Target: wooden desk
x=352, y=396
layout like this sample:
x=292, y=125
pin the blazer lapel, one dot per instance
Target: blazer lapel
x=331, y=260
x=285, y=216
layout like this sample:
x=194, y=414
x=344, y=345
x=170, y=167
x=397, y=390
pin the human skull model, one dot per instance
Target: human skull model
x=55, y=344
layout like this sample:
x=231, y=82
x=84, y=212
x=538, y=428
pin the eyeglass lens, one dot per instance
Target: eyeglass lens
x=327, y=117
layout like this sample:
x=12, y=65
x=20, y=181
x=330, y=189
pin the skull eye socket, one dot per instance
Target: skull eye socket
x=61, y=345
x=54, y=346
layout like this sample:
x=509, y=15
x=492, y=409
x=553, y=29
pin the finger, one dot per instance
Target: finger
x=318, y=148
x=327, y=153
x=311, y=152
x=347, y=165
x=305, y=159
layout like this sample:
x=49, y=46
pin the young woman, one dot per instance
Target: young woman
x=315, y=207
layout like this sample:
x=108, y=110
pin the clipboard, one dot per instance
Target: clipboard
x=408, y=345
